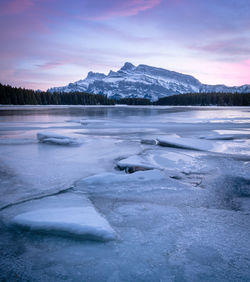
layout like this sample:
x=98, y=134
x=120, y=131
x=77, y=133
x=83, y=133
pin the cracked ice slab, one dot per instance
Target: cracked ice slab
x=134, y=162
x=82, y=222
x=57, y=139
x=186, y=143
x=69, y=215
x=224, y=137
x=109, y=178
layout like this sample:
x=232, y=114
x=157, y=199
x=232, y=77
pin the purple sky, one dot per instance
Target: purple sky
x=47, y=43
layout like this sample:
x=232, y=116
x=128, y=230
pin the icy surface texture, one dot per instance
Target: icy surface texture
x=174, y=213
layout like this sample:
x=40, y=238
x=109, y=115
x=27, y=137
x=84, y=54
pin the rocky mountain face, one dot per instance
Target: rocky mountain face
x=143, y=82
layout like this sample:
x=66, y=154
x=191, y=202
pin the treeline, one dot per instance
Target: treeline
x=20, y=96
x=134, y=101
x=206, y=99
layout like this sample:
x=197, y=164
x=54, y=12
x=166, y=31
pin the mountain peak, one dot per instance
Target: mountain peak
x=143, y=81
x=96, y=75
x=127, y=66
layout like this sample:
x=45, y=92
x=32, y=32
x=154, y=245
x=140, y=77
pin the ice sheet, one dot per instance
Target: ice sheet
x=185, y=219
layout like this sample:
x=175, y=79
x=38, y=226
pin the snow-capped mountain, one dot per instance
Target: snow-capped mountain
x=143, y=82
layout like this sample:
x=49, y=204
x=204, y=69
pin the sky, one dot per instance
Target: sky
x=47, y=43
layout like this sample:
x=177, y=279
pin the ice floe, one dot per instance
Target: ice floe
x=82, y=222
x=174, y=161
x=226, y=137
x=109, y=178
x=134, y=163
x=68, y=214
x=185, y=143
x=132, y=186
x=55, y=138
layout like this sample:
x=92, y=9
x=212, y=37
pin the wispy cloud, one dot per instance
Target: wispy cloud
x=121, y=8
x=228, y=48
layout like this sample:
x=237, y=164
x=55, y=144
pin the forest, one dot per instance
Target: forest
x=207, y=99
x=19, y=96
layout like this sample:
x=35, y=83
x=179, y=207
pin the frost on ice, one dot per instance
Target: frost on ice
x=55, y=138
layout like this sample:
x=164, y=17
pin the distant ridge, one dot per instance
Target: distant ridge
x=144, y=82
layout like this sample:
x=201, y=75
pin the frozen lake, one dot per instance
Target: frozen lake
x=124, y=193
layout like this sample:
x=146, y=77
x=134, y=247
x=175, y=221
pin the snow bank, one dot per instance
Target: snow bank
x=55, y=138
x=109, y=178
x=82, y=222
x=185, y=143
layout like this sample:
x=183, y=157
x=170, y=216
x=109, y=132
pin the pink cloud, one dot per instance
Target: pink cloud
x=51, y=65
x=234, y=46
x=18, y=6
x=131, y=8
x=229, y=51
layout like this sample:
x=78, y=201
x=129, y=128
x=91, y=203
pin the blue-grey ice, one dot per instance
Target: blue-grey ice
x=120, y=207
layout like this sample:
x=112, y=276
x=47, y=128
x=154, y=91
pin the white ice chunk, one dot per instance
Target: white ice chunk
x=58, y=139
x=82, y=222
x=134, y=162
x=226, y=137
x=185, y=143
x=109, y=178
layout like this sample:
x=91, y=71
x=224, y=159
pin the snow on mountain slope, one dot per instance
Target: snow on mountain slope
x=143, y=82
